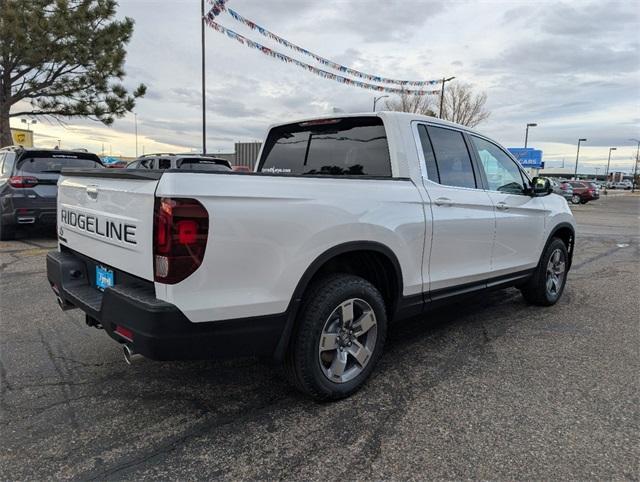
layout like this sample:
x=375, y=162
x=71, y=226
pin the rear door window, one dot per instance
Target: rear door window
x=452, y=157
x=352, y=146
x=7, y=164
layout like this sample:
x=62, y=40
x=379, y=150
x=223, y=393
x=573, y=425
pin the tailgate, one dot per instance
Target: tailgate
x=108, y=216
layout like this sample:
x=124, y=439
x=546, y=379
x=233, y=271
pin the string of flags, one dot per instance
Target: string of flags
x=310, y=68
x=219, y=6
x=335, y=66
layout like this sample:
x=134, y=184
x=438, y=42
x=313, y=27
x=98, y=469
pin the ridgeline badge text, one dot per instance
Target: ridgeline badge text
x=105, y=228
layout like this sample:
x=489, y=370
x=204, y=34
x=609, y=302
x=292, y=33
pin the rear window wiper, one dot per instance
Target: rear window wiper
x=52, y=171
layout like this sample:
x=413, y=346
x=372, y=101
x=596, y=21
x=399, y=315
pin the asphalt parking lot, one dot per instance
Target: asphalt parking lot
x=493, y=389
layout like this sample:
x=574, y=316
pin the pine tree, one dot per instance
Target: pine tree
x=63, y=59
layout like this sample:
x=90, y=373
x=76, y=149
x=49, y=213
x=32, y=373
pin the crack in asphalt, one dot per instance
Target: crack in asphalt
x=63, y=377
x=133, y=461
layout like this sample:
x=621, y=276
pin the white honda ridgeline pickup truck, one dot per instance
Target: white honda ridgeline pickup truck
x=347, y=224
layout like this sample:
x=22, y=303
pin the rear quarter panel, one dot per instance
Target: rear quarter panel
x=265, y=231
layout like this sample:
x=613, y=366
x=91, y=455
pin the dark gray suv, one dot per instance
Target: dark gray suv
x=28, y=184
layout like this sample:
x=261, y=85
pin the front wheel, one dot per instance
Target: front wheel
x=547, y=282
x=575, y=199
x=339, y=337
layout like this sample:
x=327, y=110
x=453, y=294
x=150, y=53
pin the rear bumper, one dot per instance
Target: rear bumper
x=160, y=331
x=22, y=210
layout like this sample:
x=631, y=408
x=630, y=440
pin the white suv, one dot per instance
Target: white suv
x=347, y=223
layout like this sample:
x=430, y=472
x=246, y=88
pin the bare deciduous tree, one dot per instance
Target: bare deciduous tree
x=461, y=105
x=415, y=104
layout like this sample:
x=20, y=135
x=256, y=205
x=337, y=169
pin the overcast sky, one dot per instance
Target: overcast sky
x=572, y=67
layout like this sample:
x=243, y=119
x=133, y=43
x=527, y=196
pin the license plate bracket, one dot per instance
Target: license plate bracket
x=104, y=277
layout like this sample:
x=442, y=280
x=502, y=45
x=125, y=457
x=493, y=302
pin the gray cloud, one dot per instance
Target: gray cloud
x=573, y=67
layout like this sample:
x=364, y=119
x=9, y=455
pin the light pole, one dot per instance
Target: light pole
x=376, y=99
x=135, y=123
x=575, y=174
x=29, y=125
x=58, y=143
x=635, y=167
x=606, y=174
x=442, y=94
x=526, y=134
x=204, y=108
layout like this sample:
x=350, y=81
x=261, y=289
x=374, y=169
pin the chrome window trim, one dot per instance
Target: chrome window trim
x=423, y=163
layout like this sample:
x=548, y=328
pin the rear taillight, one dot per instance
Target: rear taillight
x=23, y=181
x=181, y=228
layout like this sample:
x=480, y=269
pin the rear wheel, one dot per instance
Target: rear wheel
x=7, y=232
x=547, y=282
x=339, y=337
x=575, y=199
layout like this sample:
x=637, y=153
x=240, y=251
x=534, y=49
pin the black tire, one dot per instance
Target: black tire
x=575, y=199
x=7, y=232
x=303, y=364
x=536, y=291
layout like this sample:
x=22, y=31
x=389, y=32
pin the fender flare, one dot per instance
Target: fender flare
x=555, y=229
x=312, y=270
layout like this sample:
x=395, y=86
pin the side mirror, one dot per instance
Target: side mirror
x=540, y=186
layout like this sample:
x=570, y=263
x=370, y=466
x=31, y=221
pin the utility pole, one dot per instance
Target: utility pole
x=526, y=134
x=442, y=94
x=635, y=167
x=204, y=101
x=606, y=174
x=575, y=174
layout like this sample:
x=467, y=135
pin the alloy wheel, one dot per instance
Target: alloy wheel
x=555, y=273
x=348, y=340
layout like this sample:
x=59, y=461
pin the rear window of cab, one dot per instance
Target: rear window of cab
x=349, y=146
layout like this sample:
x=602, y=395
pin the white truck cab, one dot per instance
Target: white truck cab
x=347, y=223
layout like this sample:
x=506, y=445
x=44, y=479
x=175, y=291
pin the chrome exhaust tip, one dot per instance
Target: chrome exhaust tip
x=129, y=354
x=64, y=306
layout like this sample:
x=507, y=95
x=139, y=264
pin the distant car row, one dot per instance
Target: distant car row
x=626, y=185
x=577, y=192
x=29, y=178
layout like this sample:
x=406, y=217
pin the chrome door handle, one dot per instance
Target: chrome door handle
x=443, y=201
x=502, y=205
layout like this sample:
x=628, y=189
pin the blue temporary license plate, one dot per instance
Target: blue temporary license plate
x=104, y=277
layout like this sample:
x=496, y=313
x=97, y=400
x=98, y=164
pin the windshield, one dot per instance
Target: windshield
x=53, y=165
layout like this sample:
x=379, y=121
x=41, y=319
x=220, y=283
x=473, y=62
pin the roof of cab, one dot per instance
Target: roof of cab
x=383, y=114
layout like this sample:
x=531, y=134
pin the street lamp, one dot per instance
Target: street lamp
x=376, y=99
x=442, y=94
x=204, y=108
x=606, y=174
x=526, y=134
x=575, y=174
x=635, y=167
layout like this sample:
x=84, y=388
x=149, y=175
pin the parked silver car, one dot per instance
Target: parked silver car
x=563, y=188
